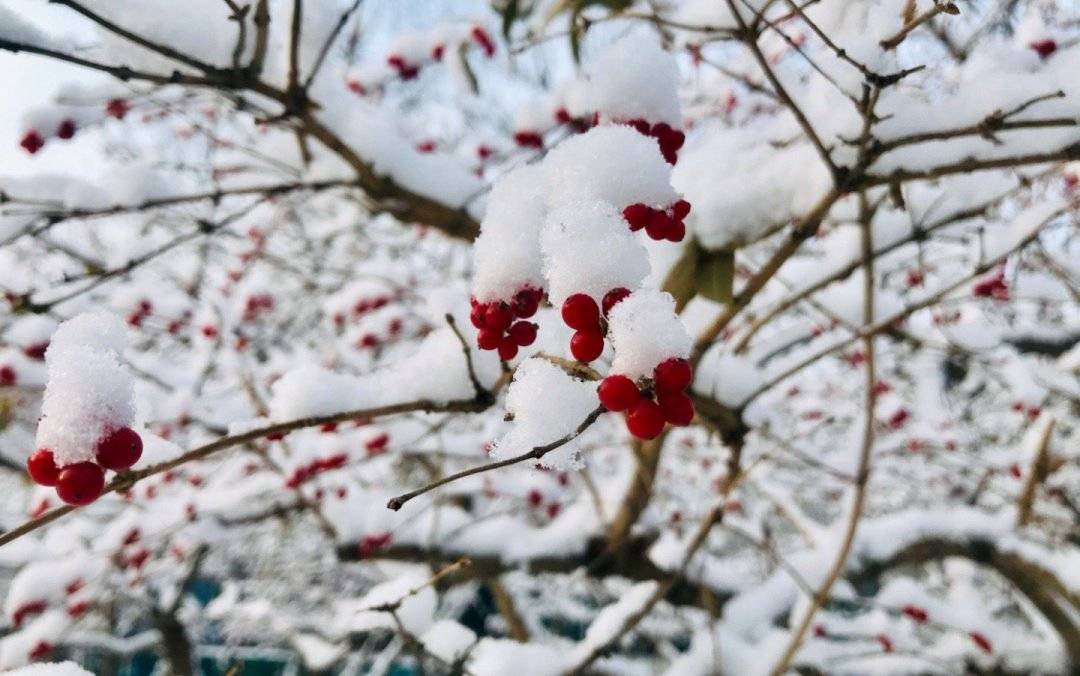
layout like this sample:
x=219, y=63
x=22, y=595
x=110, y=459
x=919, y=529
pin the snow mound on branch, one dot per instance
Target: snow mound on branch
x=448, y=640
x=741, y=187
x=547, y=404
x=589, y=249
x=51, y=669
x=48, y=581
x=497, y=657
x=612, y=163
x=644, y=330
x=89, y=391
x=15, y=648
x=507, y=252
x=609, y=621
x=16, y=29
x=416, y=611
x=635, y=78
x=311, y=390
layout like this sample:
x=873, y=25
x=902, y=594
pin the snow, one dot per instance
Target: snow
x=644, y=331
x=416, y=611
x=89, y=390
x=546, y=405
x=448, y=640
x=634, y=78
x=495, y=657
x=507, y=252
x=588, y=248
x=613, y=163
x=609, y=622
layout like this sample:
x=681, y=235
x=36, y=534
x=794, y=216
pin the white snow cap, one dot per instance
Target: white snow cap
x=547, y=404
x=635, y=78
x=644, y=330
x=507, y=252
x=51, y=669
x=589, y=248
x=89, y=390
x=614, y=163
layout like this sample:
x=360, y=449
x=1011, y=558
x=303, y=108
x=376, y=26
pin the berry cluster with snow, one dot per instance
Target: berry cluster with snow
x=455, y=336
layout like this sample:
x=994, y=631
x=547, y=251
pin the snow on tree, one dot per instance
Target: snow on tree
x=543, y=336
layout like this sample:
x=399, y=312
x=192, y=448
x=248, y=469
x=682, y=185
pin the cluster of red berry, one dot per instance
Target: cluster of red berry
x=257, y=304
x=372, y=543
x=645, y=417
x=659, y=224
x=32, y=140
x=669, y=138
x=581, y=313
x=497, y=328
x=81, y=483
x=315, y=467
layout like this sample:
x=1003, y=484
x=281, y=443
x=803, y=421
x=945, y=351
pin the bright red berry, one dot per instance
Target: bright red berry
x=587, y=345
x=8, y=376
x=1044, y=48
x=612, y=298
x=581, y=312
x=497, y=316
x=677, y=407
x=637, y=215
x=526, y=302
x=681, y=209
x=646, y=420
x=673, y=375
x=675, y=232
x=657, y=225
x=42, y=467
x=508, y=349
x=120, y=449
x=32, y=142
x=981, y=641
x=523, y=333
x=476, y=316
x=916, y=613
x=618, y=393
x=117, y=108
x=489, y=339
x=81, y=483
x=66, y=129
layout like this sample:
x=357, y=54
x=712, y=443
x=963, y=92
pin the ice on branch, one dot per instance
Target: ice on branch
x=546, y=404
x=645, y=331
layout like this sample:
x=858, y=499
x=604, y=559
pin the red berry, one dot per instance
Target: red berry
x=32, y=142
x=587, y=345
x=66, y=129
x=681, y=209
x=523, y=333
x=476, y=316
x=1044, y=48
x=673, y=375
x=489, y=339
x=677, y=407
x=618, y=393
x=526, y=302
x=497, y=316
x=658, y=225
x=120, y=449
x=981, y=641
x=529, y=139
x=8, y=376
x=581, y=312
x=611, y=298
x=117, y=108
x=676, y=139
x=675, y=232
x=508, y=349
x=42, y=467
x=637, y=215
x=646, y=420
x=81, y=483
x=916, y=613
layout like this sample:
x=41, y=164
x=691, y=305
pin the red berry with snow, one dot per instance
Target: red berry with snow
x=673, y=375
x=618, y=393
x=526, y=302
x=81, y=483
x=489, y=339
x=587, y=345
x=646, y=420
x=508, y=349
x=498, y=316
x=120, y=449
x=612, y=298
x=523, y=333
x=581, y=312
x=637, y=215
x=42, y=467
